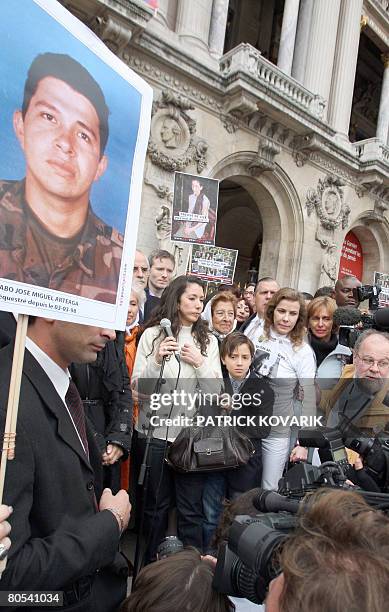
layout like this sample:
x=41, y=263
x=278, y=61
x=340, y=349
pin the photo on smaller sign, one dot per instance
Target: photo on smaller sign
x=213, y=263
x=382, y=279
x=195, y=205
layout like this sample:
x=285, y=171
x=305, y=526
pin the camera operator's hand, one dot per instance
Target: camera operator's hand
x=299, y=453
x=118, y=504
x=358, y=463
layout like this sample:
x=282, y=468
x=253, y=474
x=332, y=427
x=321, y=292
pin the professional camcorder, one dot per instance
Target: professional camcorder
x=368, y=292
x=352, y=322
x=249, y=560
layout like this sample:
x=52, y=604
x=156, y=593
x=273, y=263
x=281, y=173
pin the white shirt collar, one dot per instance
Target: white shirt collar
x=58, y=376
x=280, y=337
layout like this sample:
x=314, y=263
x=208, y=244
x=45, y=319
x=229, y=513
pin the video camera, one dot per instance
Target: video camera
x=248, y=562
x=347, y=318
x=368, y=292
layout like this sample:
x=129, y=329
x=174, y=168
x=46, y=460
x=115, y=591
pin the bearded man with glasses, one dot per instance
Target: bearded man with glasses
x=362, y=394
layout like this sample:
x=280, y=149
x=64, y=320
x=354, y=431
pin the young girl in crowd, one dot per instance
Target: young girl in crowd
x=287, y=359
x=191, y=362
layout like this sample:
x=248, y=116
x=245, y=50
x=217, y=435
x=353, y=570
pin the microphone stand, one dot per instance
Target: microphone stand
x=143, y=481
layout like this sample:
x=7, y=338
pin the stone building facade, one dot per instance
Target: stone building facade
x=286, y=102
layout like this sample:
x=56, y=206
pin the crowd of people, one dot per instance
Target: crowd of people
x=87, y=403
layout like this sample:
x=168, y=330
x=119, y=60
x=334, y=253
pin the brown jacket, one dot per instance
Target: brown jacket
x=91, y=271
x=377, y=415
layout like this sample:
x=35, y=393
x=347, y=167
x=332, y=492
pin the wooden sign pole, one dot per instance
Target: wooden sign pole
x=8, y=451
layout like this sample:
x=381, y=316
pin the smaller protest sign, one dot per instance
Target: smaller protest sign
x=213, y=263
x=195, y=205
x=382, y=279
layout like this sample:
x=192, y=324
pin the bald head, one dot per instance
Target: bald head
x=344, y=291
x=141, y=270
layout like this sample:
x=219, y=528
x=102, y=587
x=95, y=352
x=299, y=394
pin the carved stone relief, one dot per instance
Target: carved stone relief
x=331, y=210
x=173, y=143
x=329, y=266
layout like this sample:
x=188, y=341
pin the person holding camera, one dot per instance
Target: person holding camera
x=182, y=581
x=336, y=559
x=333, y=555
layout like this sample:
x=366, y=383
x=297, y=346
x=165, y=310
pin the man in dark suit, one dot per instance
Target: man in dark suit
x=65, y=531
x=264, y=291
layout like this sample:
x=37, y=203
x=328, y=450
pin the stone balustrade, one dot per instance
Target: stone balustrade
x=371, y=150
x=247, y=60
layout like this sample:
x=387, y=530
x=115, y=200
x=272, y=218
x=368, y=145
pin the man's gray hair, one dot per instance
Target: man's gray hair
x=366, y=334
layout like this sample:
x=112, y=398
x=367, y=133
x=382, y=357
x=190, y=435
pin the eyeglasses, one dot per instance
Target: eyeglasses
x=143, y=270
x=382, y=364
x=248, y=292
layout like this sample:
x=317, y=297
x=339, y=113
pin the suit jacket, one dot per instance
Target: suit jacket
x=152, y=301
x=245, y=325
x=7, y=328
x=58, y=536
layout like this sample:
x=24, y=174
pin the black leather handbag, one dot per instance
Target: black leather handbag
x=209, y=449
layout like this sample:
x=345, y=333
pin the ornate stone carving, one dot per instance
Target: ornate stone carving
x=113, y=33
x=304, y=146
x=332, y=212
x=329, y=266
x=264, y=159
x=173, y=143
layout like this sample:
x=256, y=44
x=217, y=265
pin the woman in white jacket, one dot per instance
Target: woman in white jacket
x=287, y=359
x=191, y=363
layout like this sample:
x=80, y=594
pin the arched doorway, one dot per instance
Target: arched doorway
x=373, y=235
x=240, y=227
x=272, y=208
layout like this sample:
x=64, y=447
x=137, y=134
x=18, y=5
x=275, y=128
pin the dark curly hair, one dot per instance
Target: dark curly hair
x=298, y=333
x=168, y=309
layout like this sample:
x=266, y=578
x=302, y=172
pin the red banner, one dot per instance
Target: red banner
x=351, y=259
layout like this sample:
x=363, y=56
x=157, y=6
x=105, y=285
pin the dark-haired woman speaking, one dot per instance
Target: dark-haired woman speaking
x=198, y=368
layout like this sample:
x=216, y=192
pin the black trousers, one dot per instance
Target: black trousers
x=167, y=489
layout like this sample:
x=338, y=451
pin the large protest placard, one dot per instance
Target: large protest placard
x=195, y=204
x=213, y=263
x=382, y=279
x=74, y=132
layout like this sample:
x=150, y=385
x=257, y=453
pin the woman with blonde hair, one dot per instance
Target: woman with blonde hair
x=331, y=356
x=286, y=358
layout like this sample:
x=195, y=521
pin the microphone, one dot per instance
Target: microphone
x=167, y=328
x=270, y=501
x=381, y=318
x=347, y=315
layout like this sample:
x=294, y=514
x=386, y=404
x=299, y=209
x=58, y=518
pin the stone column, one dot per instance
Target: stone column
x=345, y=64
x=217, y=30
x=302, y=40
x=321, y=48
x=383, y=113
x=288, y=35
x=193, y=21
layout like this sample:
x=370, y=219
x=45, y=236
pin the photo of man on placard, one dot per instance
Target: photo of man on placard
x=49, y=234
